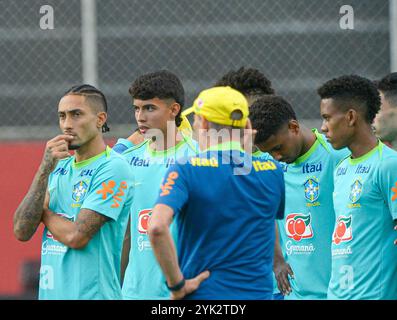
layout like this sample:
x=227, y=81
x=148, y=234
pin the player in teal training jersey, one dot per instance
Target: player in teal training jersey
x=158, y=99
x=364, y=259
x=305, y=232
x=84, y=206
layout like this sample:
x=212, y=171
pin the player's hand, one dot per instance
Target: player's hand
x=281, y=271
x=56, y=149
x=190, y=286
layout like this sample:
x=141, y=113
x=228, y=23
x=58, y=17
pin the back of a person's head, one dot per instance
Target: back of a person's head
x=161, y=84
x=268, y=115
x=249, y=81
x=353, y=92
x=388, y=86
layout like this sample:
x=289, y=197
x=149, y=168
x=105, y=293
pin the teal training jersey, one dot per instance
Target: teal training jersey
x=102, y=184
x=364, y=258
x=143, y=277
x=309, y=219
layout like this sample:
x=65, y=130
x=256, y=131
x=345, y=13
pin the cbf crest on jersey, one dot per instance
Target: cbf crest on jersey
x=312, y=189
x=356, y=191
x=79, y=191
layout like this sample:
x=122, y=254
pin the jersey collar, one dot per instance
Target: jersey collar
x=78, y=165
x=225, y=146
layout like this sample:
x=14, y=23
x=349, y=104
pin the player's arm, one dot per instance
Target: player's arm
x=27, y=217
x=281, y=269
x=164, y=249
x=125, y=253
x=136, y=138
x=74, y=234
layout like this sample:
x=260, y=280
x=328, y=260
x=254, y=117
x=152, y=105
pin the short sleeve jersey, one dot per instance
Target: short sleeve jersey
x=225, y=204
x=364, y=258
x=122, y=145
x=143, y=277
x=102, y=184
x=309, y=219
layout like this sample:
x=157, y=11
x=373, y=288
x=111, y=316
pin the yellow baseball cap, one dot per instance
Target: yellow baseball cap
x=221, y=105
x=185, y=126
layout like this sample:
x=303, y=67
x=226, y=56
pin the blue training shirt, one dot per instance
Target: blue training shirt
x=225, y=207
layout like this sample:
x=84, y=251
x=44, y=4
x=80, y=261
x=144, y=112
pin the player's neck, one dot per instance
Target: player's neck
x=212, y=141
x=362, y=143
x=169, y=140
x=308, y=139
x=90, y=149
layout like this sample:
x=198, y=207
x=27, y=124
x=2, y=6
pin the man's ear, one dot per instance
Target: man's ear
x=293, y=125
x=175, y=108
x=351, y=117
x=101, y=119
x=204, y=123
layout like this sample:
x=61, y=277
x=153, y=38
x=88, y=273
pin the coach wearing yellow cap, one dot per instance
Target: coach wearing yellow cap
x=224, y=202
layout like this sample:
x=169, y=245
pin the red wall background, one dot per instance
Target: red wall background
x=18, y=164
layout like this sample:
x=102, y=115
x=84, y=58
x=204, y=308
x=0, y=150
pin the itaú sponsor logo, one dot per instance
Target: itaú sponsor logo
x=292, y=248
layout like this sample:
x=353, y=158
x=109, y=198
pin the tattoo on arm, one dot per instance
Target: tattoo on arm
x=89, y=222
x=27, y=217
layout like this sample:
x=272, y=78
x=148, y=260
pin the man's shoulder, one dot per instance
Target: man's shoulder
x=135, y=150
x=388, y=158
x=114, y=161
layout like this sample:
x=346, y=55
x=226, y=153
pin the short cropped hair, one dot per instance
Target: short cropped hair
x=268, y=115
x=388, y=86
x=95, y=98
x=353, y=91
x=250, y=82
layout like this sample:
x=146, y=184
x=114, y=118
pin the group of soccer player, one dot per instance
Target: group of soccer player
x=162, y=214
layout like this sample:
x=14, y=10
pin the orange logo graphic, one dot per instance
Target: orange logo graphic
x=106, y=189
x=394, y=189
x=120, y=193
x=167, y=186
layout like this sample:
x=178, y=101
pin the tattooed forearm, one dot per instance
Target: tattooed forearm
x=89, y=222
x=27, y=217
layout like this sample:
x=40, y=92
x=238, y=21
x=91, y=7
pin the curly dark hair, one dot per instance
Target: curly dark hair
x=250, y=82
x=353, y=91
x=388, y=86
x=268, y=115
x=161, y=84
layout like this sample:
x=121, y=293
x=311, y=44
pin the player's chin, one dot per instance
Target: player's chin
x=74, y=146
x=337, y=145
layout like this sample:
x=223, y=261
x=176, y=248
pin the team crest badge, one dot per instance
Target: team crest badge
x=356, y=191
x=312, y=189
x=79, y=191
